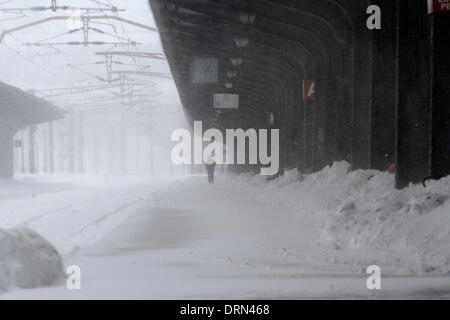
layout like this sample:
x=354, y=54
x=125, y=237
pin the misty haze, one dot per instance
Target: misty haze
x=224, y=149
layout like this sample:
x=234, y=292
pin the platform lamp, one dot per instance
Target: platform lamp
x=228, y=85
x=236, y=62
x=241, y=43
x=231, y=74
x=247, y=19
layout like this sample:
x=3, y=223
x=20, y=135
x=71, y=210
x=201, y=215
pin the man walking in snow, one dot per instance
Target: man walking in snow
x=210, y=166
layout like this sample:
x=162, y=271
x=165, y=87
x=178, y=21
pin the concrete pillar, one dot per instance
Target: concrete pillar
x=440, y=145
x=123, y=141
x=32, y=150
x=51, y=148
x=81, y=141
x=45, y=151
x=62, y=149
x=344, y=122
x=308, y=134
x=344, y=103
x=413, y=108
x=362, y=92
x=384, y=88
x=71, y=154
x=6, y=152
x=22, y=152
x=321, y=107
x=332, y=109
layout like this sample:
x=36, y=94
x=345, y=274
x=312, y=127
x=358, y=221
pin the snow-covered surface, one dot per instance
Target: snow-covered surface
x=67, y=209
x=362, y=209
x=27, y=260
x=243, y=237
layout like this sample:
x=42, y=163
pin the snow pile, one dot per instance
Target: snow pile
x=362, y=209
x=27, y=260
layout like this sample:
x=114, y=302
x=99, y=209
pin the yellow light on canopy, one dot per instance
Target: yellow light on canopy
x=231, y=74
x=241, y=42
x=229, y=85
x=236, y=62
x=247, y=18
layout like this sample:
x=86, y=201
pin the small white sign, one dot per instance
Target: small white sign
x=226, y=101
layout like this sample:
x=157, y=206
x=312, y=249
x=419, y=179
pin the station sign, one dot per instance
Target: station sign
x=226, y=101
x=438, y=6
x=309, y=89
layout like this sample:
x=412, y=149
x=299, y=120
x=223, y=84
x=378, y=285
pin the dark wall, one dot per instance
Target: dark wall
x=440, y=148
x=414, y=93
x=383, y=96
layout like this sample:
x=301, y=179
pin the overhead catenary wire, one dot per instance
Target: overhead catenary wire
x=50, y=66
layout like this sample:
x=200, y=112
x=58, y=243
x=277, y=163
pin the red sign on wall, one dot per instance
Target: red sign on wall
x=309, y=89
x=438, y=6
x=270, y=118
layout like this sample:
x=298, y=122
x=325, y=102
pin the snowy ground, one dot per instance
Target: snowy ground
x=169, y=238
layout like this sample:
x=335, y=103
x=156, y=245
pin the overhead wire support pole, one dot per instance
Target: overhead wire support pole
x=86, y=32
x=123, y=128
x=109, y=68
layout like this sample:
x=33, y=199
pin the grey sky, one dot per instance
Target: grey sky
x=32, y=67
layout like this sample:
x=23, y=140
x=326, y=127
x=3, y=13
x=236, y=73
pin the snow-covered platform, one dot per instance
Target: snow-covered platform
x=295, y=237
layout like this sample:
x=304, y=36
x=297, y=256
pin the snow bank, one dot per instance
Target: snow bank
x=27, y=260
x=362, y=209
